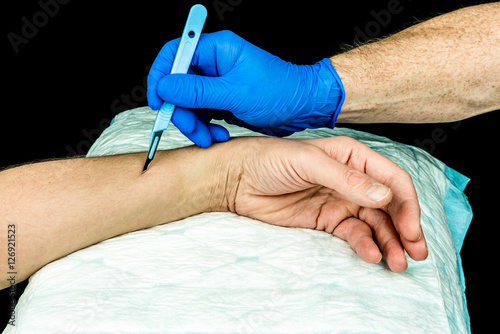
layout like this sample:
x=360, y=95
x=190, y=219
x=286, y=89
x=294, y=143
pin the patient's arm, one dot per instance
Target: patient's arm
x=441, y=70
x=59, y=207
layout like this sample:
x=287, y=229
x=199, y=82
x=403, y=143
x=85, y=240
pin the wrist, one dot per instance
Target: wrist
x=179, y=183
x=324, y=95
x=358, y=95
x=225, y=169
x=211, y=177
x=331, y=94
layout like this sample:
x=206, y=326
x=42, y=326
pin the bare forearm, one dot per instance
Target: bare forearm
x=59, y=207
x=444, y=69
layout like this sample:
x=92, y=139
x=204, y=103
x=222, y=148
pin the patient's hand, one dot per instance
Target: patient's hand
x=316, y=183
x=331, y=184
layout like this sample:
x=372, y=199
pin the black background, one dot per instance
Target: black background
x=89, y=60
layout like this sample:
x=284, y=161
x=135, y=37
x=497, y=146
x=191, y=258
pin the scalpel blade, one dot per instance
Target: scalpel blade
x=153, y=146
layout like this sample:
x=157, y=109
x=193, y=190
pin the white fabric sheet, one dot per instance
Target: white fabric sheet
x=222, y=273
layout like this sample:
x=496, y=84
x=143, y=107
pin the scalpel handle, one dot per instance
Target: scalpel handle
x=187, y=46
x=189, y=40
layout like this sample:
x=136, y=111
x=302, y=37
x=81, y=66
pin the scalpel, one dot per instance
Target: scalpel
x=182, y=61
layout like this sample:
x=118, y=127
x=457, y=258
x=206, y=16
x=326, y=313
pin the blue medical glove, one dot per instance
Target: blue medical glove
x=234, y=80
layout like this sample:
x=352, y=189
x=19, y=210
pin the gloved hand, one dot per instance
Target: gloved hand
x=244, y=85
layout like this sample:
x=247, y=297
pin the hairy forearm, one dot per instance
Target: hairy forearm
x=59, y=207
x=441, y=70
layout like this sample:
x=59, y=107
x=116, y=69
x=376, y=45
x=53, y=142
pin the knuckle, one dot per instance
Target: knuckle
x=226, y=34
x=351, y=142
x=403, y=178
x=355, y=179
x=345, y=139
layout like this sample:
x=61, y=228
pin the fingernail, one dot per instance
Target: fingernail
x=420, y=235
x=377, y=192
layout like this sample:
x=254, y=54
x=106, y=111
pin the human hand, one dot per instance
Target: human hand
x=243, y=85
x=333, y=184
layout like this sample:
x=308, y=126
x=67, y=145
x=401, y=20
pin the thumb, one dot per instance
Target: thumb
x=362, y=189
x=353, y=184
x=195, y=91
